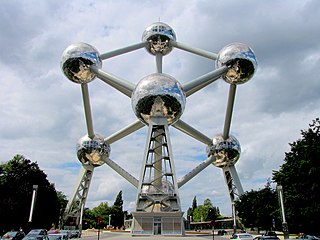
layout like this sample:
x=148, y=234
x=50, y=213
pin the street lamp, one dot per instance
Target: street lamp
x=284, y=222
x=33, y=201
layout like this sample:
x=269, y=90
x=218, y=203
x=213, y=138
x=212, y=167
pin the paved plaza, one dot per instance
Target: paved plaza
x=127, y=235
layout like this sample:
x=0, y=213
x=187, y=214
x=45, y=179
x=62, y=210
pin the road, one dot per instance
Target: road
x=127, y=236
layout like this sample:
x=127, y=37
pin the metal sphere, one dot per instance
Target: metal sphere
x=158, y=37
x=241, y=61
x=225, y=151
x=76, y=61
x=92, y=151
x=158, y=94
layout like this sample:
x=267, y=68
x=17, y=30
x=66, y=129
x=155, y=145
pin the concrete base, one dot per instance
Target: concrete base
x=158, y=223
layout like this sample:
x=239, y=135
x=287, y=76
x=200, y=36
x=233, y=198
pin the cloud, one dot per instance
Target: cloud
x=42, y=113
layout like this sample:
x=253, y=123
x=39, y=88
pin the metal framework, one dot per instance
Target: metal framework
x=158, y=209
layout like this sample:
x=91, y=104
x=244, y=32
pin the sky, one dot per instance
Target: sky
x=42, y=114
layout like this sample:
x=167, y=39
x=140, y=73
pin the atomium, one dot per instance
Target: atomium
x=226, y=151
x=76, y=61
x=158, y=94
x=241, y=61
x=93, y=151
x=158, y=100
x=158, y=37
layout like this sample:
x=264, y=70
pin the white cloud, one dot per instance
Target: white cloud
x=42, y=112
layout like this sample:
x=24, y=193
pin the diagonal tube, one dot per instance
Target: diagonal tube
x=186, y=178
x=123, y=173
x=187, y=129
x=87, y=109
x=202, y=81
x=227, y=121
x=120, y=51
x=120, y=84
x=124, y=132
x=194, y=50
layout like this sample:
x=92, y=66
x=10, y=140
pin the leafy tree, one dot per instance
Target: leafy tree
x=90, y=217
x=17, y=178
x=205, y=212
x=117, y=219
x=299, y=177
x=191, y=209
x=103, y=211
x=62, y=202
x=259, y=208
x=89, y=220
x=194, y=203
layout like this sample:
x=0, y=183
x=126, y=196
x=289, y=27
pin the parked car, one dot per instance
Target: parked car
x=67, y=233
x=309, y=237
x=222, y=232
x=264, y=237
x=75, y=234
x=242, y=236
x=13, y=235
x=270, y=233
x=37, y=234
x=35, y=237
x=57, y=236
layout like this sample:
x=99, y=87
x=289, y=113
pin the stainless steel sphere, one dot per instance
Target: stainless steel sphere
x=226, y=152
x=76, y=61
x=158, y=94
x=92, y=151
x=158, y=37
x=241, y=61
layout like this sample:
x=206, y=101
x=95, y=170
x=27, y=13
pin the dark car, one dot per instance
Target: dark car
x=13, y=235
x=270, y=233
x=37, y=234
x=263, y=237
x=309, y=237
x=75, y=234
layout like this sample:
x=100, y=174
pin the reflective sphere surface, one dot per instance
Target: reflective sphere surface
x=92, y=151
x=158, y=94
x=241, y=61
x=76, y=61
x=226, y=152
x=158, y=36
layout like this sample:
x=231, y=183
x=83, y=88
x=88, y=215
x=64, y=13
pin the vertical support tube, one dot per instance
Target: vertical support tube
x=158, y=158
x=158, y=140
x=227, y=122
x=87, y=109
x=159, y=62
x=33, y=201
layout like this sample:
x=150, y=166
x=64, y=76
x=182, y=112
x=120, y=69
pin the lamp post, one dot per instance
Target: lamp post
x=33, y=201
x=110, y=220
x=284, y=222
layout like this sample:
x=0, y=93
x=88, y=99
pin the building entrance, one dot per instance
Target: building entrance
x=157, y=228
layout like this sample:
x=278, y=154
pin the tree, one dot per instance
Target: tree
x=62, y=202
x=17, y=178
x=117, y=219
x=259, y=208
x=191, y=209
x=206, y=212
x=299, y=177
x=103, y=211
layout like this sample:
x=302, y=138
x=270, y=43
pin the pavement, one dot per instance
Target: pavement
x=126, y=235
